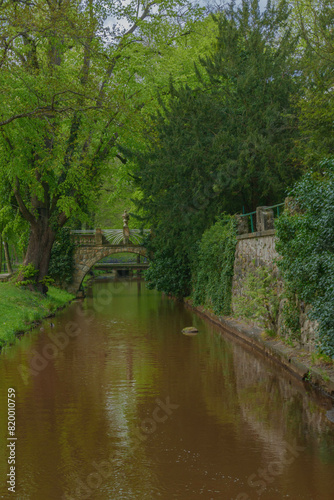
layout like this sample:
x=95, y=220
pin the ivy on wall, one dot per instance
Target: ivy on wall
x=306, y=243
x=62, y=261
x=213, y=269
x=260, y=299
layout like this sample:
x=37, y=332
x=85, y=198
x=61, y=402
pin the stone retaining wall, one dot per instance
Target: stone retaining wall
x=257, y=250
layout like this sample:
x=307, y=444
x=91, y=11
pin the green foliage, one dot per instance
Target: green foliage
x=313, y=20
x=47, y=281
x=27, y=277
x=169, y=273
x=27, y=274
x=260, y=298
x=228, y=142
x=319, y=358
x=14, y=229
x=254, y=82
x=70, y=93
x=306, y=242
x=213, y=267
x=290, y=315
x=62, y=261
x=176, y=175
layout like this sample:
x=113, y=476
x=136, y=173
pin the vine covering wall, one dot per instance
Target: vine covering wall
x=213, y=269
x=306, y=243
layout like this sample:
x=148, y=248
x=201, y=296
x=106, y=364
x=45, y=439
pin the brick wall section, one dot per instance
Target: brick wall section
x=258, y=249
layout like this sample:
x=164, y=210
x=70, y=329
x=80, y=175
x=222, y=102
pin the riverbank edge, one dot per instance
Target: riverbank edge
x=291, y=358
x=33, y=324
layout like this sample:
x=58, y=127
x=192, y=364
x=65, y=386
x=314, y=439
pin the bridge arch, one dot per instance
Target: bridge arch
x=86, y=256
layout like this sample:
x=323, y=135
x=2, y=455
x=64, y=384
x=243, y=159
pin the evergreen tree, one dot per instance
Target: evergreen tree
x=253, y=76
x=228, y=143
x=176, y=174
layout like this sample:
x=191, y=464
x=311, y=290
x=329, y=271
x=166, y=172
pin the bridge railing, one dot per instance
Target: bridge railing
x=262, y=219
x=83, y=236
x=108, y=236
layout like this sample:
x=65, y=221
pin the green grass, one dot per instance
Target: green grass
x=19, y=308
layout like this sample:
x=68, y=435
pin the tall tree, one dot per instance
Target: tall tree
x=70, y=87
x=253, y=74
x=230, y=142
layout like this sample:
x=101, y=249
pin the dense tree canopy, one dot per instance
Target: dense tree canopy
x=227, y=143
x=253, y=77
x=70, y=88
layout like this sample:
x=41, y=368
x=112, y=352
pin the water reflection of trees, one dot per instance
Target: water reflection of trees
x=273, y=407
x=89, y=402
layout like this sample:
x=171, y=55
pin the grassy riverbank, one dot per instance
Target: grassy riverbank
x=20, y=308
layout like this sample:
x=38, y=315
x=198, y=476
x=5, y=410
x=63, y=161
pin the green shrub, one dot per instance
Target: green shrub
x=169, y=273
x=260, y=299
x=27, y=274
x=290, y=314
x=213, y=268
x=61, y=262
x=306, y=243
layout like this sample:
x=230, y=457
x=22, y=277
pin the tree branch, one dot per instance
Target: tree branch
x=62, y=219
x=123, y=160
x=23, y=209
x=45, y=111
x=121, y=47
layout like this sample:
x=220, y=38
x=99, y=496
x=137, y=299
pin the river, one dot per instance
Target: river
x=113, y=402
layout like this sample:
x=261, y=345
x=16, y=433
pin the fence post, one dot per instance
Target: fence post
x=264, y=219
x=98, y=237
x=242, y=224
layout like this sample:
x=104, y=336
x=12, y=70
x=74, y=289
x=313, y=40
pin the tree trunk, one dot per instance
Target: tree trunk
x=14, y=256
x=38, y=253
x=7, y=257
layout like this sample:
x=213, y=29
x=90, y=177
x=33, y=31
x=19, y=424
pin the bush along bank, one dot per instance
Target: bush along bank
x=212, y=269
x=203, y=270
x=306, y=243
x=20, y=309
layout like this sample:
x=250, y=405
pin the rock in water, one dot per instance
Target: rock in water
x=330, y=415
x=190, y=330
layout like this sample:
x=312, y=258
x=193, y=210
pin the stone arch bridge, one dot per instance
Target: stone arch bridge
x=93, y=245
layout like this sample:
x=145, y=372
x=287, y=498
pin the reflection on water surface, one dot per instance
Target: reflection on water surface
x=126, y=407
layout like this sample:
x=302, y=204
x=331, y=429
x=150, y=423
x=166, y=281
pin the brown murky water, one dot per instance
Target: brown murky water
x=115, y=403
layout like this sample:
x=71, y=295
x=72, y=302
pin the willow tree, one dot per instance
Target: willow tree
x=71, y=86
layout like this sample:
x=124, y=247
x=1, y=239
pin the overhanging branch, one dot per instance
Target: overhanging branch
x=23, y=209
